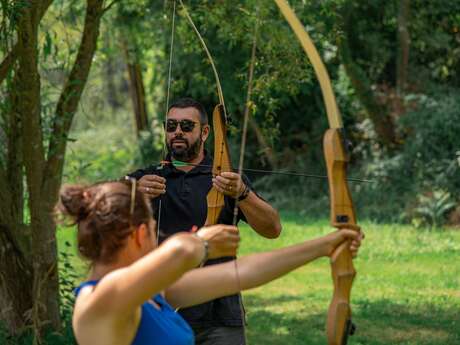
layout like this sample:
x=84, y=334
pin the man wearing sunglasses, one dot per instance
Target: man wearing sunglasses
x=182, y=190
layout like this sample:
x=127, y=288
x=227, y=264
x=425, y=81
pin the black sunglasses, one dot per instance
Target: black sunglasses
x=185, y=125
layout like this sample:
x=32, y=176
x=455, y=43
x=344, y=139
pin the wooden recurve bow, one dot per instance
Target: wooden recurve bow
x=221, y=162
x=221, y=159
x=339, y=324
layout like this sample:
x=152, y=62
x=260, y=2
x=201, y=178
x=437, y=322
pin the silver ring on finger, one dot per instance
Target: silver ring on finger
x=147, y=189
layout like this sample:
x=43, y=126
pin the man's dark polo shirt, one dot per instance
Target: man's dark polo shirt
x=183, y=206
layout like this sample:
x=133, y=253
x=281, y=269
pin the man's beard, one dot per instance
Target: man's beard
x=186, y=153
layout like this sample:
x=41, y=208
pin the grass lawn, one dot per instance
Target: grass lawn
x=407, y=290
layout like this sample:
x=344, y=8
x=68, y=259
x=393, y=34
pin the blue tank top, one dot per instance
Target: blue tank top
x=158, y=327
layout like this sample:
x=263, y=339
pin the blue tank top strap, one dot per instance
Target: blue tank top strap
x=159, y=299
x=77, y=290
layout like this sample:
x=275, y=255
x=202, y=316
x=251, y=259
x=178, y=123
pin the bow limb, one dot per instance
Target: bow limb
x=339, y=324
x=208, y=55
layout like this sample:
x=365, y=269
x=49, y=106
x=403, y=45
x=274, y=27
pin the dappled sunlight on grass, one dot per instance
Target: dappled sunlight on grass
x=406, y=290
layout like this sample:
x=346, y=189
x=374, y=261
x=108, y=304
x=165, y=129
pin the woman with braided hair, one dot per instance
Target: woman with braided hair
x=135, y=286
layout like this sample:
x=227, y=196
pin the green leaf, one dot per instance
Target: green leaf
x=48, y=45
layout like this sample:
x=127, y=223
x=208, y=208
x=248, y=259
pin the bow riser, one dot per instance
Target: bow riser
x=337, y=159
x=221, y=163
x=342, y=216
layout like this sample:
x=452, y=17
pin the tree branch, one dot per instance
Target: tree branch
x=70, y=96
x=109, y=6
x=377, y=112
x=8, y=62
x=4, y=195
x=27, y=95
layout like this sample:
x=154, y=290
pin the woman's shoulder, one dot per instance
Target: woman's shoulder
x=95, y=296
x=89, y=317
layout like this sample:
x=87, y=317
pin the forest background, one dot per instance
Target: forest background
x=84, y=89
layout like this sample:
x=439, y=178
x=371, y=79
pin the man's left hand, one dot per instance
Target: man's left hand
x=229, y=183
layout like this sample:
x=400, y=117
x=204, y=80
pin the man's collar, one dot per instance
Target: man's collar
x=204, y=167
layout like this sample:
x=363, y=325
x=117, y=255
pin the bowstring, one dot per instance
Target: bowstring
x=247, y=108
x=218, y=86
x=168, y=92
x=208, y=54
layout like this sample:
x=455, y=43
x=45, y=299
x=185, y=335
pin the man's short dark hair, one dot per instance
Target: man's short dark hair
x=188, y=102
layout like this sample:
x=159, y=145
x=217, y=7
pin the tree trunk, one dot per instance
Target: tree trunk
x=45, y=284
x=377, y=112
x=47, y=279
x=113, y=93
x=29, y=288
x=137, y=90
x=402, y=62
x=16, y=271
x=15, y=281
x=70, y=96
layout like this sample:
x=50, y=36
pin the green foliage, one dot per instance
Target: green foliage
x=432, y=141
x=432, y=209
x=101, y=154
x=288, y=109
x=63, y=337
x=288, y=102
x=426, y=162
x=437, y=56
x=68, y=279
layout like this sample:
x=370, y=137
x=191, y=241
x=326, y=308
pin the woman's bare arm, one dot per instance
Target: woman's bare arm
x=208, y=283
x=123, y=290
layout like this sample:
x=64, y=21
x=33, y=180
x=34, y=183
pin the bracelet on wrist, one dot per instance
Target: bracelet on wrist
x=205, y=249
x=244, y=194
